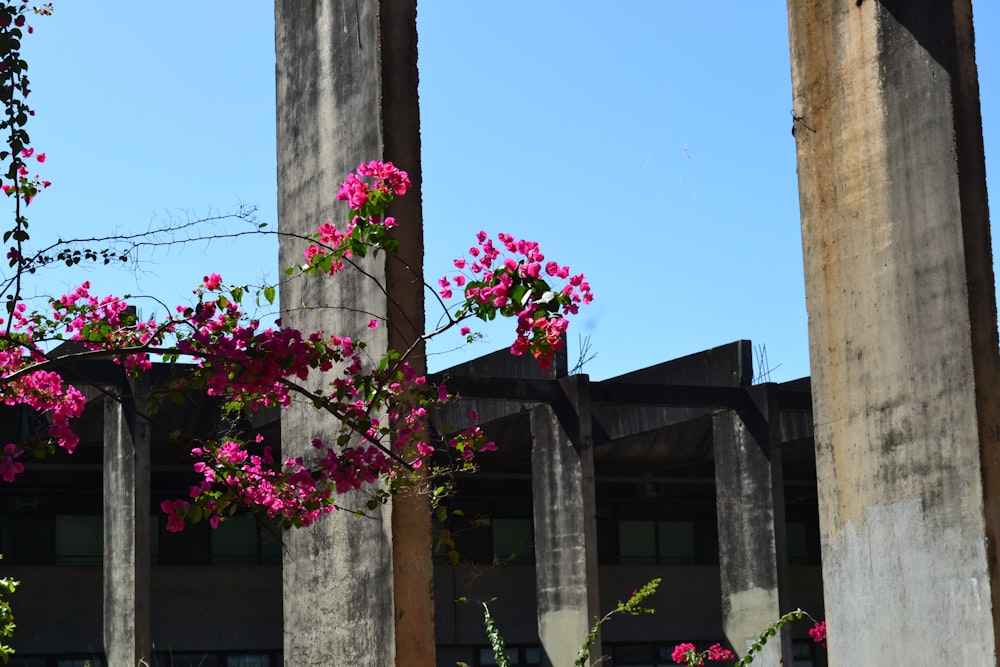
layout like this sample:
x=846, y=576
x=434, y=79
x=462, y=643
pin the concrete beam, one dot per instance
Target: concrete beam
x=347, y=93
x=902, y=327
x=750, y=500
x=723, y=366
x=565, y=522
x=127, y=638
x=501, y=363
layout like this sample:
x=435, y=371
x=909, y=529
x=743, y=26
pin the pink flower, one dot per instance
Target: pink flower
x=466, y=331
x=41, y=157
x=818, y=633
x=519, y=347
x=682, y=652
x=212, y=282
x=9, y=468
x=717, y=654
x=373, y=324
x=174, y=509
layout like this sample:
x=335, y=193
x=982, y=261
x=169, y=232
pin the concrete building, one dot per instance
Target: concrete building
x=683, y=471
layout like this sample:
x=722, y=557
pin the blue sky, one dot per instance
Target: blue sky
x=648, y=148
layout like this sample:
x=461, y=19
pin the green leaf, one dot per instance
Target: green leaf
x=269, y=293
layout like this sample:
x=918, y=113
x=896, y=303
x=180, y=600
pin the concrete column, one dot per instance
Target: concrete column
x=750, y=500
x=127, y=636
x=565, y=521
x=347, y=93
x=902, y=328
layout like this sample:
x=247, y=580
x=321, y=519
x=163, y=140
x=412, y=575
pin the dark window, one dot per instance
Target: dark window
x=191, y=546
x=642, y=542
x=675, y=540
x=487, y=657
x=798, y=543
x=452, y=655
x=482, y=538
x=235, y=541
x=519, y=656
x=246, y=540
x=27, y=662
x=636, y=542
x=638, y=655
x=28, y=539
x=79, y=539
x=187, y=660
x=805, y=653
x=513, y=540
x=249, y=660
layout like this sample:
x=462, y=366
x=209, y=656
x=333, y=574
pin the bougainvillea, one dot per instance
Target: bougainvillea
x=514, y=281
x=687, y=653
x=382, y=404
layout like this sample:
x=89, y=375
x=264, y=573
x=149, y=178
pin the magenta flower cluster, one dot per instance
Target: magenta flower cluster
x=513, y=280
x=369, y=192
x=27, y=186
x=818, y=633
x=687, y=654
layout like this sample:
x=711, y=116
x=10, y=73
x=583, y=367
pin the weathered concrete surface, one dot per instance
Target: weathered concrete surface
x=753, y=561
x=126, y=530
x=565, y=523
x=347, y=93
x=902, y=327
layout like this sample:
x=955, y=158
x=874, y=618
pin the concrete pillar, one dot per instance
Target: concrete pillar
x=902, y=328
x=347, y=93
x=127, y=638
x=750, y=501
x=565, y=522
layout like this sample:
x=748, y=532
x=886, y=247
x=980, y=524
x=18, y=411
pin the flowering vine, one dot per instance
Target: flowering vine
x=382, y=405
x=634, y=606
x=14, y=90
x=688, y=654
x=514, y=282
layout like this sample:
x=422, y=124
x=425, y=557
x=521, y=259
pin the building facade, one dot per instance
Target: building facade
x=685, y=471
